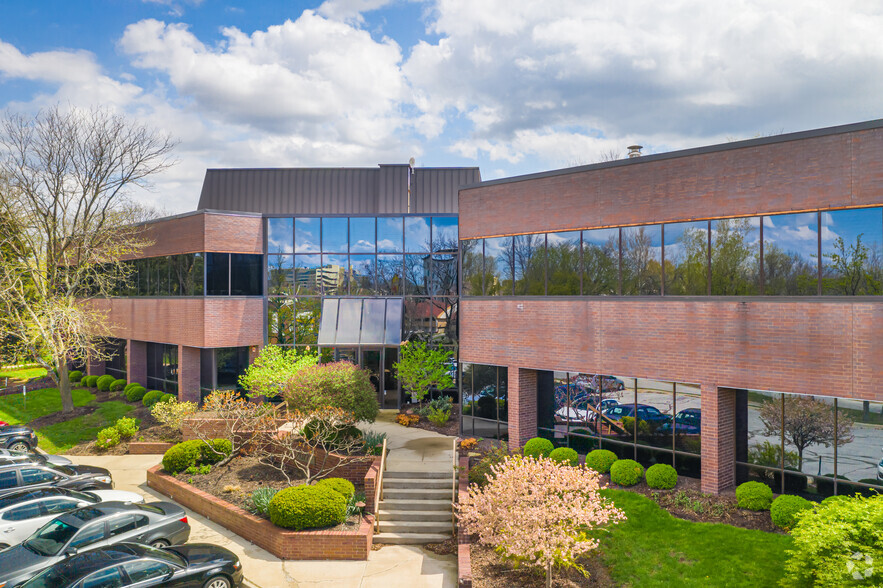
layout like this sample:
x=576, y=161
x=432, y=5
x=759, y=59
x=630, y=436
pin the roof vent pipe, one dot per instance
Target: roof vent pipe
x=635, y=150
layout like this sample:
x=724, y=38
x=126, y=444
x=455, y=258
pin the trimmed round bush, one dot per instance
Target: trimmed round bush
x=167, y=398
x=104, y=382
x=75, y=376
x=151, y=398
x=117, y=385
x=600, y=460
x=222, y=448
x=626, y=472
x=89, y=381
x=538, y=447
x=180, y=457
x=340, y=485
x=661, y=476
x=126, y=427
x=135, y=393
x=307, y=507
x=785, y=508
x=565, y=455
x=130, y=385
x=754, y=496
x=107, y=438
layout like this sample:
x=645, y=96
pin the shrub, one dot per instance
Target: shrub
x=480, y=474
x=565, y=455
x=135, y=393
x=407, y=419
x=785, y=508
x=213, y=451
x=661, y=476
x=117, y=385
x=89, y=381
x=840, y=543
x=373, y=442
x=173, y=413
x=167, y=398
x=151, y=398
x=468, y=444
x=441, y=403
x=180, y=457
x=626, y=472
x=538, y=447
x=307, y=507
x=345, y=487
x=338, y=385
x=127, y=427
x=75, y=376
x=754, y=496
x=438, y=417
x=104, y=382
x=600, y=460
x=198, y=470
x=260, y=500
x=107, y=438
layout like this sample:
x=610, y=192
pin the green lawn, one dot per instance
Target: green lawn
x=21, y=374
x=39, y=403
x=653, y=548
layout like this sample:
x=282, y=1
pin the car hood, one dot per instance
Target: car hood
x=120, y=495
x=19, y=563
x=87, y=470
x=198, y=554
x=58, y=460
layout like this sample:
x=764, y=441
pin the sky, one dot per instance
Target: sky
x=512, y=86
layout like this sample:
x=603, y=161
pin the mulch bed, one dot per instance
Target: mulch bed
x=448, y=547
x=451, y=428
x=490, y=571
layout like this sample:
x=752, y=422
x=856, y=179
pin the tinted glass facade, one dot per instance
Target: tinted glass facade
x=162, y=367
x=484, y=404
x=194, y=274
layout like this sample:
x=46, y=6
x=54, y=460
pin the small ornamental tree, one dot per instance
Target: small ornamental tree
x=807, y=422
x=539, y=512
x=422, y=368
x=273, y=368
x=242, y=421
x=340, y=385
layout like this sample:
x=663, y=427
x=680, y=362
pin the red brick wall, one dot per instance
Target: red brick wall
x=832, y=171
x=136, y=361
x=205, y=231
x=188, y=374
x=522, y=387
x=234, y=233
x=718, y=438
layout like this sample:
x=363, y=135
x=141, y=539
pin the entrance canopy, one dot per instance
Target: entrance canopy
x=360, y=321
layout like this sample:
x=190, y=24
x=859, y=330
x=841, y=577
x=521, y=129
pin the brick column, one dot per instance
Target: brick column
x=136, y=362
x=94, y=367
x=718, y=438
x=188, y=373
x=522, y=406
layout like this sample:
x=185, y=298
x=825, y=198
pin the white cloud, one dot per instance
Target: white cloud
x=350, y=10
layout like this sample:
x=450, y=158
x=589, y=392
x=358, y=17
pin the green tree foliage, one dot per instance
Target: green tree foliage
x=273, y=368
x=422, y=368
x=529, y=261
x=787, y=273
x=851, y=270
x=563, y=268
x=339, y=385
x=601, y=268
x=734, y=258
x=687, y=273
x=641, y=270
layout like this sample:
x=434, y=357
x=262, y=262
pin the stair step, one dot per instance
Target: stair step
x=418, y=493
x=402, y=504
x=439, y=483
x=410, y=538
x=388, y=526
x=435, y=516
x=390, y=474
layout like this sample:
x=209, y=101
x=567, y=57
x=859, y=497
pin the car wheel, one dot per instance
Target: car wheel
x=160, y=543
x=217, y=582
x=19, y=446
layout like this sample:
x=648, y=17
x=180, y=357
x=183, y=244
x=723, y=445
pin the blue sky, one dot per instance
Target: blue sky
x=513, y=86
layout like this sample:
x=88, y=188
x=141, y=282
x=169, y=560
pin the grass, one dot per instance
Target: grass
x=39, y=403
x=22, y=374
x=653, y=548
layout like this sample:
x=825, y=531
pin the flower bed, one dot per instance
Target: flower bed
x=464, y=540
x=283, y=543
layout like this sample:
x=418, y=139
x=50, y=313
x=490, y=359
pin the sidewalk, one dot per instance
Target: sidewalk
x=412, y=449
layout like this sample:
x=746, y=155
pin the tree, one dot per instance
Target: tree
x=229, y=416
x=422, y=368
x=807, y=422
x=339, y=385
x=539, y=512
x=850, y=271
x=65, y=195
x=273, y=368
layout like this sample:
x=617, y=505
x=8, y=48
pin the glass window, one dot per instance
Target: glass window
x=757, y=446
x=417, y=274
x=688, y=419
x=642, y=260
x=231, y=363
x=686, y=259
x=530, y=267
x=159, y=276
x=308, y=319
x=23, y=513
x=563, y=263
x=852, y=252
x=503, y=396
x=246, y=275
x=417, y=234
x=417, y=324
x=333, y=274
x=280, y=275
x=188, y=273
x=143, y=269
x=120, y=525
x=280, y=321
x=363, y=235
x=280, y=235
x=390, y=234
x=444, y=274
x=349, y=321
x=485, y=386
x=8, y=480
x=601, y=262
x=373, y=321
x=217, y=274
x=790, y=254
x=654, y=413
x=444, y=233
x=88, y=536
x=307, y=235
x=735, y=257
x=444, y=326
x=859, y=446
x=140, y=571
x=498, y=266
x=389, y=275
x=109, y=578
x=467, y=398
x=393, y=328
x=361, y=275
x=334, y=235
x=306, y=274
x=471, y=252
x=36, y=476
x=55, y=506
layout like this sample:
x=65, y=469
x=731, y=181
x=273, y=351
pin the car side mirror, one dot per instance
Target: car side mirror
x=71, y=551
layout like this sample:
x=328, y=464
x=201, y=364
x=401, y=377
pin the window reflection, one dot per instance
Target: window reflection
x=686, y=259
x=280, y=321
x=498, y=266
x=735, y=257
x=417, y=324
x=472, y=264
x=417, y=274
x=307, y=320
x=307, y=233
x=362, y=235
x=417, y=234
x=280, y=235
x=790, y=254
x=642, y=260
x=280, y=275
x=851, y=252
x=444, y=233
x=563, y=263
x=390, y=235
x=334, y=235
x=601, y=262
x=444, y=274
x=361, y=276
x=389, y=275
x=333, y=274
x=530, y=268
x=307, y=274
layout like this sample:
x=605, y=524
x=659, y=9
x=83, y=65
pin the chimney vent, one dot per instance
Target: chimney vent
x=635, y=150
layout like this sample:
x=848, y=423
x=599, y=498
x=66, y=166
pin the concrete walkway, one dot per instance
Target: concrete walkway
x=412, y=449
x=391, y=566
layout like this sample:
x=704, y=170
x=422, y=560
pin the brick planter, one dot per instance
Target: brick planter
x=284, y=544
x=148, y=447
x=464, y=540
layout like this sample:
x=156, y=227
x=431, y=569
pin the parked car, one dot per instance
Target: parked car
x=645, y=412
x=880, y=470
x=7, y=456
x=131, y=564
x=159, y=524
x=32, y=475
x=18, y=438
x=25, y=511
x=687, y=421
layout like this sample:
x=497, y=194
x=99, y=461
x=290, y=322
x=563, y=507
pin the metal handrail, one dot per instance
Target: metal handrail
x=454, y=489
x=378, y=490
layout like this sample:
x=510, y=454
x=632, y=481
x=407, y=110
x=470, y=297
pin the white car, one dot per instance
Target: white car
x=25, y=511
x=880, y=470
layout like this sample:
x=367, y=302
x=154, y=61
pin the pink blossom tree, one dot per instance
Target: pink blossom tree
x=539, y=512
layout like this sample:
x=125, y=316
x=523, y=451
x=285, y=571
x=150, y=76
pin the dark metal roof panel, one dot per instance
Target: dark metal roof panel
x=435, y=190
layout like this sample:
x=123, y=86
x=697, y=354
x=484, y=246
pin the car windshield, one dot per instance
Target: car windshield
x=48, y=578
x=51, y=538
x=165, y=555
x=149, y=508
x=687, y=418
x=84, y=495
x=68, y=471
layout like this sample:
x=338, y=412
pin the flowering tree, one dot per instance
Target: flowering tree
x=272, y=368
x=240, y=421
x=539, y=512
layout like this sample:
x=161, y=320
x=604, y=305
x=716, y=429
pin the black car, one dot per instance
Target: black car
x=131, y=564
x=159, y=524
x=18, y=438
x=9, y=457
x=23, y=475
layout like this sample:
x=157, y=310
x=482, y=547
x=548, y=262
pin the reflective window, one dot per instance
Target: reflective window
x=217, y=274
x=859, y=446
x=642, y=260
x=417, y=234
x=472, y=264
x=328, y=327
x=307, y=274
x=60, y=505
x=280, y=321
x=735, y=257
x=109, y=578
x=280, y=275
x=307, y=235
x=530, y=267
x=333, y=274
x=445, y=324
x=686, y=259
x=308, y=314
x=444, y=274
x=790, y=254
x=444, y=233
x=140, y=571
x=389, y=275
x=159, y=276
x=335, y=238
x=280, y=235
x=852, y=252
x=120, y=525
x=563, y=263
x=373, y=321
x=601, y=262
x=187, y=274
x=88, y=536
x=498, y=266
x=654, y=418
x=349, y=316
x=390, y=234
x=246, y=275
x=363, y=235
x=417, y=324
x=688, y=419
x=393, y=329
x=417, y=274
x=36, y=476
x=484, y=400
x=8, y=480
x=362, y=273
x=23, y=513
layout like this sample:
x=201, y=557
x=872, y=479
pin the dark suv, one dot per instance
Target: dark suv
x=33, y=475
x=18, y=438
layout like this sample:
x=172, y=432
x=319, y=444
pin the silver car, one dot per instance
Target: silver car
x=9, y=456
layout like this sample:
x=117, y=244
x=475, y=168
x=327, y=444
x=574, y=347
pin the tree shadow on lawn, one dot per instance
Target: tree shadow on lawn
x=61, y=436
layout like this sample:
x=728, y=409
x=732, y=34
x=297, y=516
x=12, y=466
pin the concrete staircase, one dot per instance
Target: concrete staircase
x=416, y=507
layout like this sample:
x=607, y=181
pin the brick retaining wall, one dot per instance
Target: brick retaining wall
x=148, y=447
x=464, y=539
